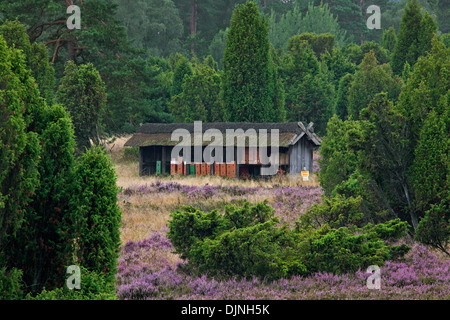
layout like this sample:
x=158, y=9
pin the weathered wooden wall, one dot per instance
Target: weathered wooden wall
x=301, y=156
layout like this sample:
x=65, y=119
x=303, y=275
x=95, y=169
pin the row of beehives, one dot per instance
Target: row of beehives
x=203, y=169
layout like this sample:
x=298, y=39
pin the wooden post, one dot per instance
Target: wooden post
x=163, y=160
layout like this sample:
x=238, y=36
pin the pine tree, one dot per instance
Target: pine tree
x=355, y=53
x=317, y=19
x=406, y=73
x=385, y=155
x=182, y=69
x=217, y=46
x=338, y=64
x=309, y=90
x=320, y=44
x=350, y=17
x=152, y=25
x=248, y=81
x=414, y=37
x=38, y=241
x=431, y=169
x=371, y=79
x=82, y=91
x=433, y=229
x=389, y=39
x=338, y=161
x=95, y=213
x=102, y=41
x=36, y=57
x=426, y=88
x=341, y=104
x=45, y=238
x=19, y=147
x=199, y=99
x=427, y=29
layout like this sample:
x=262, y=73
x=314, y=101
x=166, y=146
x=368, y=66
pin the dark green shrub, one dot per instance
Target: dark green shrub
x=10, y=284
x=93, y=286
x=390, y=230
x=336, y=212
x=248, y=241
x=96, y=213
x=345, y=250
x=190, y=225
x=434, y=227
x=19, y=147
x=262, y=250
x=45, y=236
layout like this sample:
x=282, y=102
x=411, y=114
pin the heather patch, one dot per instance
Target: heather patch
x=421, y=275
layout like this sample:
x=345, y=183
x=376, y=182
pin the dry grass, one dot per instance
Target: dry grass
x=142, y=215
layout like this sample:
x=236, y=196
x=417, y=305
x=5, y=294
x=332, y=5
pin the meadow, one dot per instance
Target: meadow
x=149, y=268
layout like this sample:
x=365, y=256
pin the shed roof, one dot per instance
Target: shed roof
x=160, y=134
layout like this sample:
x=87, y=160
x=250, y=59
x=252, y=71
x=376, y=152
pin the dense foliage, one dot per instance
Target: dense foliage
x=42, y=229
x=395, y=154
x=143, y=50
x=83, y=93
x=247, y=241
x=378, y=98
x=95, y=213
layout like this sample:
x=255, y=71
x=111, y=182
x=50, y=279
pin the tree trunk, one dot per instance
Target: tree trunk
x=412, y=212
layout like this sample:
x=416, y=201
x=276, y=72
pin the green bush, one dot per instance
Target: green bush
x=93, y=286
x=346, y=250
x=248, y=241
x=337, y=211
x=10, y=284
x=262, y=250
x=190, y=225
x=434, y=227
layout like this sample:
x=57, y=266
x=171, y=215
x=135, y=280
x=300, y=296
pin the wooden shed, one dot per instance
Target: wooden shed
x=295, y=143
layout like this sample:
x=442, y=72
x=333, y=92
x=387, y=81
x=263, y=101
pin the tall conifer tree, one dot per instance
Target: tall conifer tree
x=249, y=87
x=414, y=37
